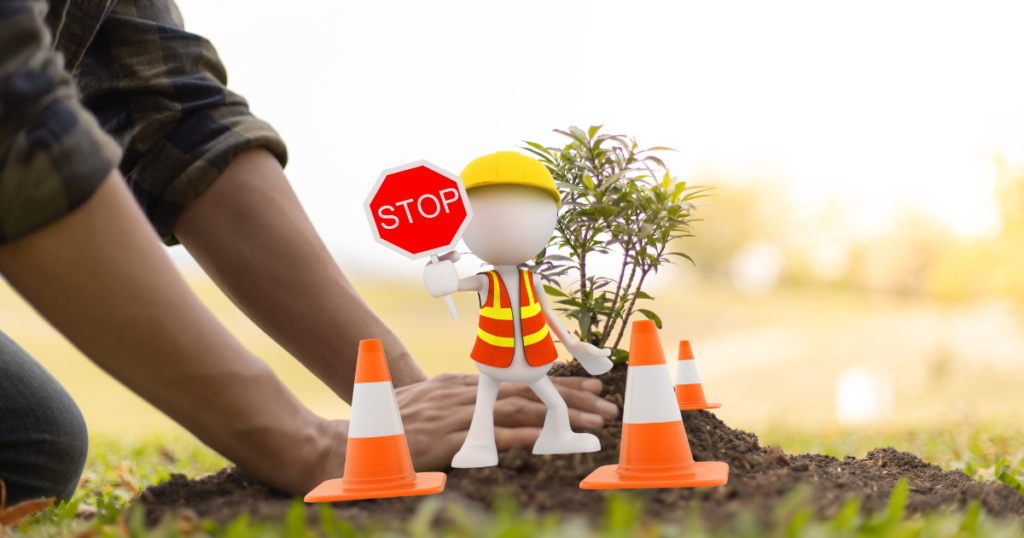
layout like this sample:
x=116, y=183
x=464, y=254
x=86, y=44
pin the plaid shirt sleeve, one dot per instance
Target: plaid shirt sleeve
x=162, y=93
x=53, y=154
x=159, y=103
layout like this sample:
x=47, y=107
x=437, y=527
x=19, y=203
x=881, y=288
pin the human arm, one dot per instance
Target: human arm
x=77, y=247
x=249, y=232
x=594, y=359
x=100, y=276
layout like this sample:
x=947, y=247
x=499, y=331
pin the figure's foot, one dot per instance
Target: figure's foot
x=565, y=442
x=471, y=457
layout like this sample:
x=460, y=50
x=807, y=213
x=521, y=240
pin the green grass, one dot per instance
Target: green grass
x=118, y=466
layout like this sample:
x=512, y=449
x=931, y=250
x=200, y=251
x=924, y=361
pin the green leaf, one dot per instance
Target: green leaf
x=571, y=302
x=593, y=130
x=678, y=190
x=137, y=521
x=1010, y=480
x=578, y=135
x=239, y=528
x=681, y=255
x=619, y=356
x=585, y=325
x=295, y=520
x=551, y=290
x=971, y=471
x=622, y=512
x=331, y=526
x=897, y=502
x=970, y=524
x=798, y=521
x=796, y=499
x=650, y=315
x=846, y=519
x=420, y=524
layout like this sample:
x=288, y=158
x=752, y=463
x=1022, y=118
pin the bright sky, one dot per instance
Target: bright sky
x=876, y=104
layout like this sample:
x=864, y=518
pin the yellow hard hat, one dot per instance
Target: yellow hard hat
x=512, y=168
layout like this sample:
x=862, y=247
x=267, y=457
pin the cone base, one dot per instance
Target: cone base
x=335, y=490
x=690, y=406
x=704, y=474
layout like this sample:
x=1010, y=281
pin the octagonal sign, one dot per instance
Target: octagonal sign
x=418, y=209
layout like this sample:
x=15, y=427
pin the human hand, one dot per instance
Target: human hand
x=593, y=359
x=436, y=414
x=441, y=278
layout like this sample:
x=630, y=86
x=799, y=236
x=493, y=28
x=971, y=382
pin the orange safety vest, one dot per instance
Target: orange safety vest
x=495, y=337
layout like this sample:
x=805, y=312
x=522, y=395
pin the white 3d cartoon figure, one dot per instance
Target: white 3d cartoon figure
x=515, y=205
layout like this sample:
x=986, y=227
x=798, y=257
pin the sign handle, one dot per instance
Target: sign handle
x=447, y=298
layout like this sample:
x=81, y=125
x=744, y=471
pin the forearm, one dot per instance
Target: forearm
x=250, y=234
x=555, y=324
x=102, y=278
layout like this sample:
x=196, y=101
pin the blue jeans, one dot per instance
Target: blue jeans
x=43, y=440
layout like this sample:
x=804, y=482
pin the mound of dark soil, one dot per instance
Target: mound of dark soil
x=758, y=479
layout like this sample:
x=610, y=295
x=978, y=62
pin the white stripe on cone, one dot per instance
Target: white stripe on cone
x=374, y=411
x=686, y=373
x=650, y=396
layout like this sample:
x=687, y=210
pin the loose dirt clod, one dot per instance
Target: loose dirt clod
x=758, y=479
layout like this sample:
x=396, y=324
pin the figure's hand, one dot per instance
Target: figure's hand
x=436, y=414
x=441, y=278
x=593, y=359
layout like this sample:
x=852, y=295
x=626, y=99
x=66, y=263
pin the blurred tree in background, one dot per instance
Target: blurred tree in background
x=764, y=236
x=987, y=267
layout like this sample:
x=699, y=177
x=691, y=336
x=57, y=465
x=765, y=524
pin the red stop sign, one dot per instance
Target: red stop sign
x=418, y=209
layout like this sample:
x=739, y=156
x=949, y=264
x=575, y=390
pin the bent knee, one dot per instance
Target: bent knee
x=44, y=441
x=47, y=459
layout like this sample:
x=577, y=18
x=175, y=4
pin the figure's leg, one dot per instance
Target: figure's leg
x=557, y=437
x=480, y=450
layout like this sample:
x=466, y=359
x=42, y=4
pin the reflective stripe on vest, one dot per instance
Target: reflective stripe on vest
x=496, y=333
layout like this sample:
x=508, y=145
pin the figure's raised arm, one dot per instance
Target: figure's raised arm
x=442, y=279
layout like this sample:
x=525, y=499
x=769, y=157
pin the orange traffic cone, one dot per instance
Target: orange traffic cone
x=377, y=463
x=654, y=452
x=689, y=391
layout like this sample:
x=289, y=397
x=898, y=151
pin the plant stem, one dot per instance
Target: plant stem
x=629, y=312
x=643, y=275
x=625, y=318
x=584, y=334
x=609, y=324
